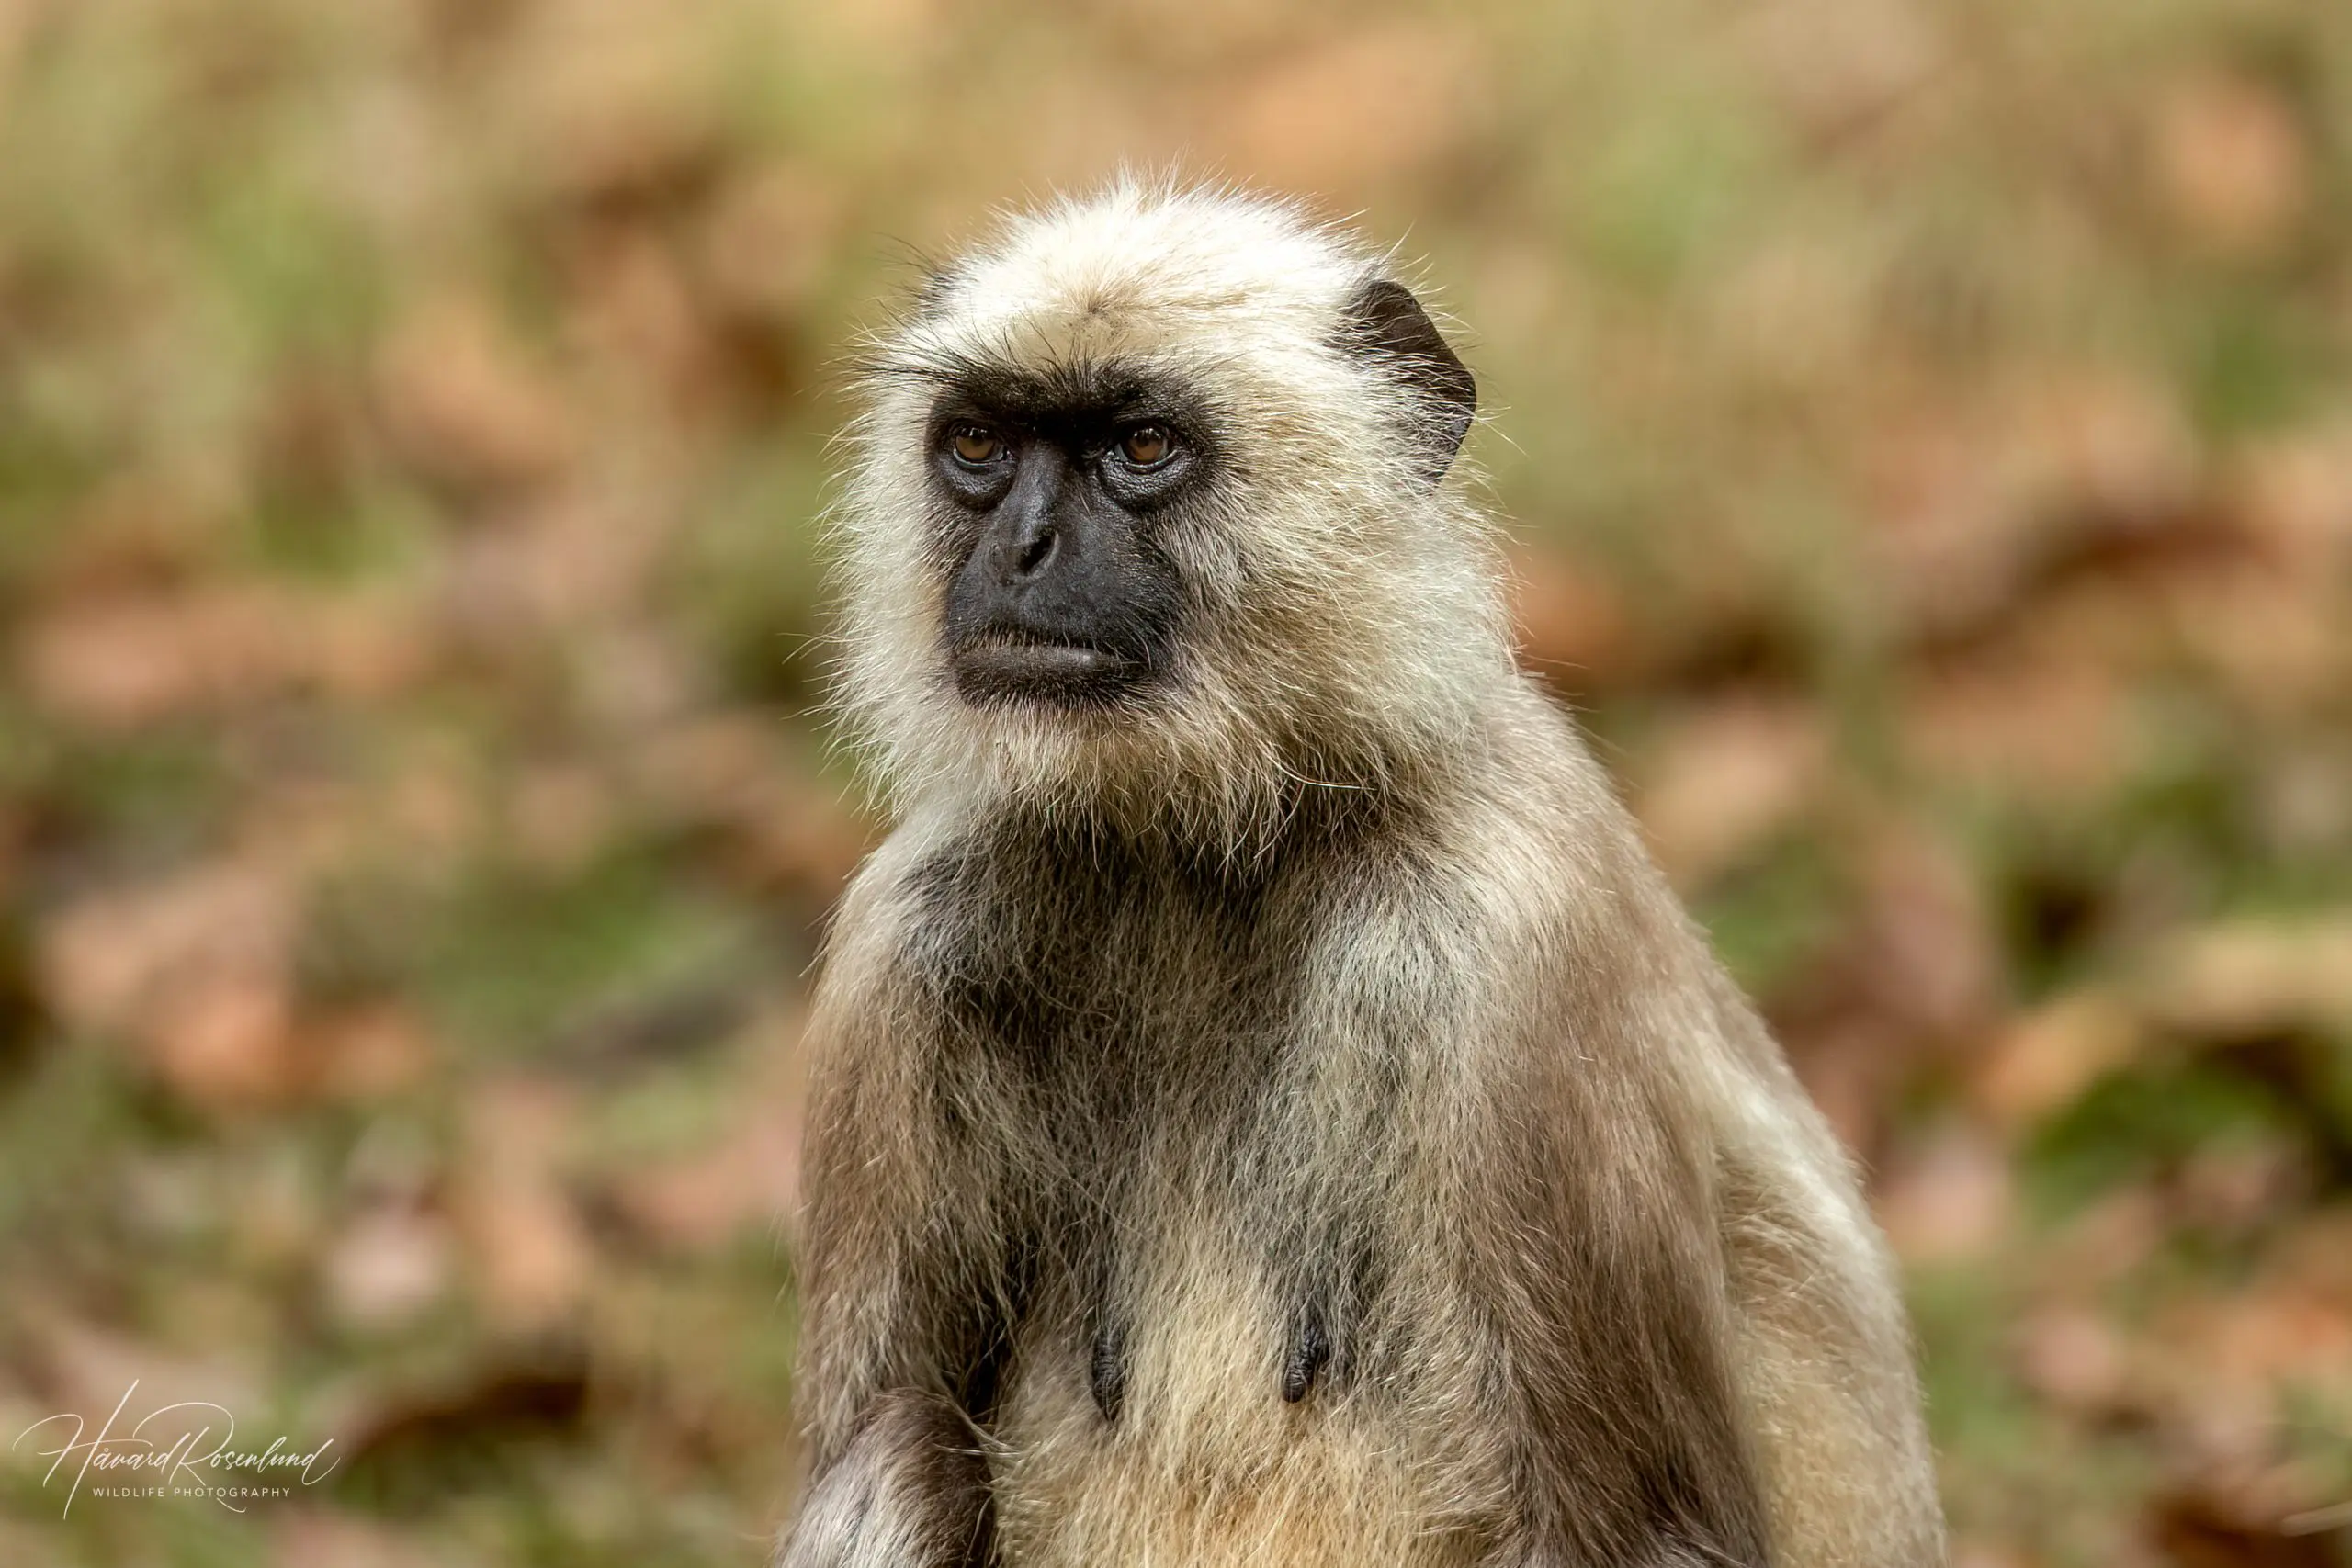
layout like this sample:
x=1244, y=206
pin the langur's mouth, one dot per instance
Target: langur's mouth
x=999, y=668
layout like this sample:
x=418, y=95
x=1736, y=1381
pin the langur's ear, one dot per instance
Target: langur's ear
x=1384, y=322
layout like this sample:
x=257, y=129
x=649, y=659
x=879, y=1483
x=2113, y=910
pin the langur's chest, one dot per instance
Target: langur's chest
x=1176, y=1421
x=1163, y=1122
x=1204, y=1367
x=1104, y=948
x=1120, y=1025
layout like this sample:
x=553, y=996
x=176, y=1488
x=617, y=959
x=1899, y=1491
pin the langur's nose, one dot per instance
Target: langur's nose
x=1026, y=552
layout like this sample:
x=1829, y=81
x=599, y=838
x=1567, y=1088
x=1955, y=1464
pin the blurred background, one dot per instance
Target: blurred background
x=1928, y=431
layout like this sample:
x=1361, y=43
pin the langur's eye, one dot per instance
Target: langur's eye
x=1147, y=446
x=974, y=446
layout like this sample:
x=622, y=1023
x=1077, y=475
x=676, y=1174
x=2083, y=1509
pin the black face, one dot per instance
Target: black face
x=1060, y=593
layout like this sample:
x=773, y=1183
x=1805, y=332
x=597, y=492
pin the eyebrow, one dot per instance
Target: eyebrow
x=1062, y=391
x=1068, y=400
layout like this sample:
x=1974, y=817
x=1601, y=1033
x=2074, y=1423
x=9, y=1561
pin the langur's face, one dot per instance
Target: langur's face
x=1058, y=502
x=1148, y=505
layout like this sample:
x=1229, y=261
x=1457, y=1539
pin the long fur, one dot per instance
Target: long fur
x=1288, y=1121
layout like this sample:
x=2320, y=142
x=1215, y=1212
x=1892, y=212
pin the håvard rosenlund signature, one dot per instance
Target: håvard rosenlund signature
x=183, y=1458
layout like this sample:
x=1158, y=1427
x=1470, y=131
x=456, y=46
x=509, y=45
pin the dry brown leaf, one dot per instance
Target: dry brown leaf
x=1375, y=103
x=1947, y=539
x=789, y=827
x=706, y=768
x=2041, y=1061
x=2295, y=493
x=636, y=310
x=749, y=1181
x=223, y=1040
x=1574, y=629
x=517, y=1389
x=575, y=560
x=771, y=238
x=1727, y=777
x=359, y=648
x=1947, y=1197
x=429, y=807
x=2228, y=1369
x=2074, y=1358
x=531, y=1258
x=1838, y=65
x=2234, y=1188
x=141, y=530
x=1926, y=952
x=2274, y=1335
x=121, y=660
x=1845, y=1064
x=392, y=1263
x=368, y=1051
x=2093, y=449
x=1975, y=507
x=2106, y=1242
x=316, y=1538
x=2276, y=638
x=2231, y=164
x=530, y=1255
x=2056, y=727
x=2248, y=978
x=1795, y=314
x=560, y=817
x=1914, y=974
x=104, y=961
x=125, y=661
x=2207, y=1523
x=749, y=1178
x=808, y=840
x=463, y=403
x=612, y=99
x=896, y=30
x=2316, y=1256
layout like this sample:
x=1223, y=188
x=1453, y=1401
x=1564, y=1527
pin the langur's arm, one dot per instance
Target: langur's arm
x=889, y=1269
